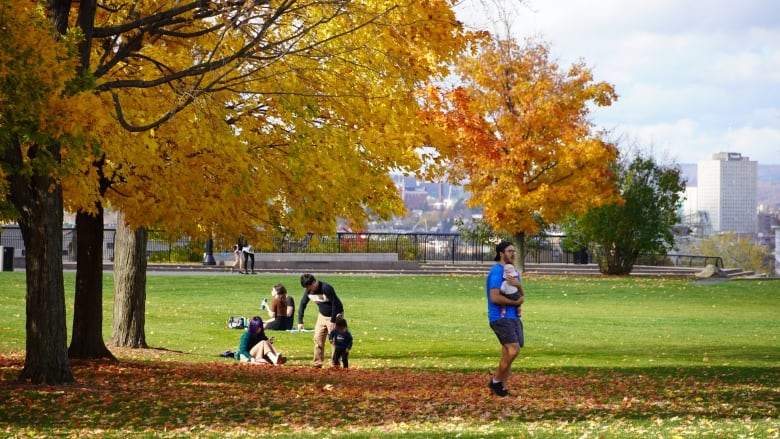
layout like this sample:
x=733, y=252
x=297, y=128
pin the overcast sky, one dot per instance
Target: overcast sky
x=693, y=77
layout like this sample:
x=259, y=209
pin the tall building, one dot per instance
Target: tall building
x=727, y=187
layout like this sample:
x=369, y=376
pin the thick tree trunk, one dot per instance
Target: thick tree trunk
x=618, y=264
x=129, y=287
x=519, y=262
x=38, y=200
x=87, y=337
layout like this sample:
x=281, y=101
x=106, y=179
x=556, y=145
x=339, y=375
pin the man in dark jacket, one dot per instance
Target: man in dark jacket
x=330, y=309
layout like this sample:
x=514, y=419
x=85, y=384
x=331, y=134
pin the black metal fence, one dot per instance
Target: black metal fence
x=422, y=247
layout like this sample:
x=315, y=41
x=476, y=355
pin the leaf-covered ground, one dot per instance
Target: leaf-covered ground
x=170, y=398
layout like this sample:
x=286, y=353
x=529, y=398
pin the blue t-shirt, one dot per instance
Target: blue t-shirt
x=494, y=279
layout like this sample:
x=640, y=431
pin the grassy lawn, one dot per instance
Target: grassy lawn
x=625, y=357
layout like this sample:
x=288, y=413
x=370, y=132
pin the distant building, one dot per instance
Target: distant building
x=726, y=191
x=416, y=200
x=777, y=250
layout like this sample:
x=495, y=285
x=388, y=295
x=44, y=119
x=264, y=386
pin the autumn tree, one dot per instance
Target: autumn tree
x=517, y=131
x=243, y=117
x=42, y=121
x=642, y=222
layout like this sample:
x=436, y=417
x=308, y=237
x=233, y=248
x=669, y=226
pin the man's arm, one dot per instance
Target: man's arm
x=499, y=299
x=337, y=306
x=515, y=282
x=302, y=307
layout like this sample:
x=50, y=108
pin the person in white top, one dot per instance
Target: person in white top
x=507, y=289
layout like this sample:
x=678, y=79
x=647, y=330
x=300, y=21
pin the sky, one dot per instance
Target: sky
x=693, y=78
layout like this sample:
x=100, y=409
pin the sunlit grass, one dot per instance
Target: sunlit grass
x=605, y=357
x=439, y=322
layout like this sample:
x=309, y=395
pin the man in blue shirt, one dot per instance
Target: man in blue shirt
x=504, y=316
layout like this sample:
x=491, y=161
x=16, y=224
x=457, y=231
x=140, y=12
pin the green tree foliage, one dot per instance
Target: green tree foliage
x=737, y=250
x=640, y=223
x=479, y=231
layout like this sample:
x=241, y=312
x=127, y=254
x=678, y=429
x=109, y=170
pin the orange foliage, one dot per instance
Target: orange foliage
x=517, y=131
x=174, y=398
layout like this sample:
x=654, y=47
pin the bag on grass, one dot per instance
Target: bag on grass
x=236, y=322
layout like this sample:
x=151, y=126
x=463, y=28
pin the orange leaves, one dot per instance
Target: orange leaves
x=518, y=129
x=230, y=398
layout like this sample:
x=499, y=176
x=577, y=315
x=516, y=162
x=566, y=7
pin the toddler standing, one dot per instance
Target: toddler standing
x=341, y=339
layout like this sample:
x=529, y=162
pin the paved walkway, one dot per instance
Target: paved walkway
x=414, y=268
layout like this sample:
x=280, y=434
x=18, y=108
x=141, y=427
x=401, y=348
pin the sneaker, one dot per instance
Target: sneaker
x=498, y=388
x=281, y=359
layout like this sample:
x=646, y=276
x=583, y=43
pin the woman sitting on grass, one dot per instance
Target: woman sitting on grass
x=256, y=347
x=280, y=311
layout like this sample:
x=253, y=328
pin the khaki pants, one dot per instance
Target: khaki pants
x=321, y=330
x=261, y=350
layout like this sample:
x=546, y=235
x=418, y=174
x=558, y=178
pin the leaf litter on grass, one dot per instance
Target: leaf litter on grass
x=226, y=397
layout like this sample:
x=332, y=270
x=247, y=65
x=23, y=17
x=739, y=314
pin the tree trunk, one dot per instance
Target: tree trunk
x=618, y=262
x=129, y=287
x=38, y=199
x=519, y=261
x=87, y=337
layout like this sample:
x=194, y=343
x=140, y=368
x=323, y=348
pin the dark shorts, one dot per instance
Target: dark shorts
x=508, y=331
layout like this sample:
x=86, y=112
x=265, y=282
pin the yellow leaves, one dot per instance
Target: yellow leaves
x=32, y=69
x=277, y=117
x=38, y=106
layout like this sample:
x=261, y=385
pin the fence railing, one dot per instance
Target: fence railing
x=422, y=247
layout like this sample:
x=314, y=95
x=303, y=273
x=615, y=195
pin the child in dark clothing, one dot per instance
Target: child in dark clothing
x=341, y=339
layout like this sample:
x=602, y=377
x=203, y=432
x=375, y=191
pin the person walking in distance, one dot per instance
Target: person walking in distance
x=330, y=309
x=237, y=264
x=504, y=316
x=249, y=258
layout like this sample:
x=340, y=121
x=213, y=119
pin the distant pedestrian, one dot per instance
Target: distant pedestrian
x=504, y=317
x=249, y=258
x=237, y=264
x=341, y=339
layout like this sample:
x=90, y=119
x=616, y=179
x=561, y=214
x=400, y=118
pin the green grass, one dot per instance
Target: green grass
x=716, y=342
x=439, y=322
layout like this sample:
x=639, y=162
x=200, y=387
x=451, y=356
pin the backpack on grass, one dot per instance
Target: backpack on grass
x=236, y=322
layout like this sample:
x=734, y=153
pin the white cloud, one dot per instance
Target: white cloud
x=755, y=142
x=693, y=78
